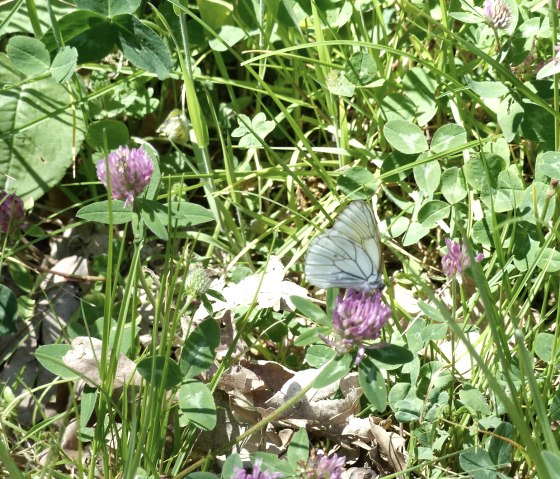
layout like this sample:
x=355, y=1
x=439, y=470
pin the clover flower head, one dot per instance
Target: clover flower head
x=11, y=212
x=256, y=473
x=457, y=258
x=358, y=316
x=130, y=171
x=324, y=467
x=498, y=13
x=197, y=282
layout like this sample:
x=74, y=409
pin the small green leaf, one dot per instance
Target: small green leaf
x=199, y=350
x=8, y=311
x=21, y=276
x=420, y=85
x=477, y=461
x=99, y=212
x=142, y=46
x=92, y=34
x=87, y=405
x=310, y=310
x=465, y=17
x=555, y=407
x=109, y=8
x=415, y=233
x=434, y=332
x=151, y=218
x=431, y=312
x=358, y=183
x=334, y=371
x=405, y=137
x=249, y=131
x=526, y=245
x=397, y=161
x=373, y=384
x=510, y=191
x=488, y=89
x=474, y=400
x=549, y=164
x=232, y=463
x=50, y=357
x=408, y=410
x=185, y=214
x=551, y=68
x=396, y=106
x=427, y=177
x=199, y=475
x=361, y=69
x=534, y=201
x=319, y=354
x=552, y=462
x=481, y=171
x=338, y=84
x=298, y=450
x=229, y=35
x=64, y=64
x=115, y=131
x=272, y=463
x=29, y=55
x=499, y=450
x=453, y=185
x=510, y=116
x=197, y=405
x=448, y=137
x=158, y=365
x=544, y=345
x=549, y=260
x=432, y=212
x=390, y=356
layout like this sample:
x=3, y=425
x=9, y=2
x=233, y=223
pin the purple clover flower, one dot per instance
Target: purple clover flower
x=324, y=467
x=457, y=258
x=358, y=316
x=11, y=212
x=256, y=473
x=130, y=172
x=498, y=13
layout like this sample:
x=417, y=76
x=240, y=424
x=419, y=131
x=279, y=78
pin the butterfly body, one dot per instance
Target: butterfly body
x=348, y=255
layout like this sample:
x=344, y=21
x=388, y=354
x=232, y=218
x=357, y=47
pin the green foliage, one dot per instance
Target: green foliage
x=160, y=371
x=252, y=132
x=32, y=113
x=199, y=351
x=197, y=405
x=8, y=311
x=50, y=357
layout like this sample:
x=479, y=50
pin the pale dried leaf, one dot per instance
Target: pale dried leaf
x=84, y=358
x=405, y=299
x=359, y=473
x=316, y=405
x=70, y=443
x=268, y=290
x=392, y=447
x=69, y=266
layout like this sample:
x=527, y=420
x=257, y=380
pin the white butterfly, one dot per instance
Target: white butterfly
x=348, y=255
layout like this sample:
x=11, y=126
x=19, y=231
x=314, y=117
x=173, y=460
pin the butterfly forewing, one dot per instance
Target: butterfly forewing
x=349, y=254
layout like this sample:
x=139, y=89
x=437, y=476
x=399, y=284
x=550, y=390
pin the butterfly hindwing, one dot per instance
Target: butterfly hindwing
x=349, y=254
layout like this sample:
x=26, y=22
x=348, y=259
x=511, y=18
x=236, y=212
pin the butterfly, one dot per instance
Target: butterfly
x=348, y=255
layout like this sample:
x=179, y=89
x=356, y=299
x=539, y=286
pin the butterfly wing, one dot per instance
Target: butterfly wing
x=349, y=254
